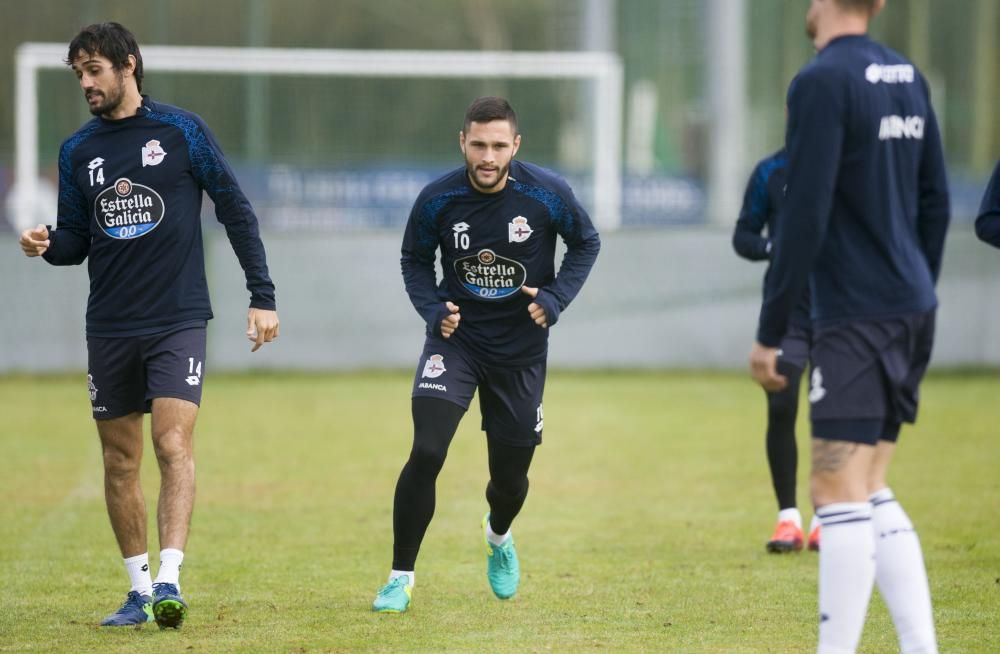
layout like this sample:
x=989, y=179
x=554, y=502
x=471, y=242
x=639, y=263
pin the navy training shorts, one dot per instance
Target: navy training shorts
x=794, y=346
x=510, y=399
x=125, y=374
x=866, y=376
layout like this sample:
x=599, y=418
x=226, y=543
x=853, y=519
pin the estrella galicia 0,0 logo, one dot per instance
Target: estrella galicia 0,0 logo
x=490, y=276
x=127, y=210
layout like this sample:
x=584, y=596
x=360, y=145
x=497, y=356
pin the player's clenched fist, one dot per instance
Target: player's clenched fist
x=536, y=310
x=763, y=368
x=34, y=242
x=450, y=322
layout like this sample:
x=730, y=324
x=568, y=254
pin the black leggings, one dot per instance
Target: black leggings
x=434, y=425
x=782, y=454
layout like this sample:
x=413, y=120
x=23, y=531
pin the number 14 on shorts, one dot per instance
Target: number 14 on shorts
x=194, y=372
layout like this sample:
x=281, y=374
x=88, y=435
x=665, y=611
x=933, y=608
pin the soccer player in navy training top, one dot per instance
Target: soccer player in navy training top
x=496, y=222
x=864, y=221
x=762, y=201
x=130, y=192
x=988, y=221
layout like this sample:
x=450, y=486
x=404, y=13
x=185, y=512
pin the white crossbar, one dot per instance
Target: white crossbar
x=605, y=69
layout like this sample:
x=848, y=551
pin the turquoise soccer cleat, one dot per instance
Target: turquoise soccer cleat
x=394, y=597
x=502, y=568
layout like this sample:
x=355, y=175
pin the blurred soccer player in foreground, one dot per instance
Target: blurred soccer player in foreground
x=495, y=221
x=130, y=193
x=761, y=205
x=864, y=220
x=988, y=221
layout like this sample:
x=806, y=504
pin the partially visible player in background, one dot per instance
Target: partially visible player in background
x=988, y=221
x=496, y=221
x=761, y=204
x=864, y=220
x=130, y=192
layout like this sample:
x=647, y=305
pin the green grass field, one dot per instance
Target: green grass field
x=644, y=530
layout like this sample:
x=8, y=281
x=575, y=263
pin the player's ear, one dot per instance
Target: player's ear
x=129, y=67
x=877, y=9
x=461, y=140
x=517, y=144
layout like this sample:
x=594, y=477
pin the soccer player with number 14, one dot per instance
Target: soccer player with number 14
x=130, y=193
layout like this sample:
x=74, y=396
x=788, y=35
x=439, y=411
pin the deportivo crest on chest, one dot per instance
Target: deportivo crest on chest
x=489, y=276
x=153, y=153
x=518, y=230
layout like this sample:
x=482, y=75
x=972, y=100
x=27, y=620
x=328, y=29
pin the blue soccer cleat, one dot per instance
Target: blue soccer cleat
x=169, y=608
x=394, y=597
x=502, y=568
x=136, y=610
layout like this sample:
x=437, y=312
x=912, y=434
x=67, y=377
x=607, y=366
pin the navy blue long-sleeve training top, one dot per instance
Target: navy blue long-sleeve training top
x=867, y=206
x=492, y=244
x=130, y=194
x=762, y=203
x=988, y=221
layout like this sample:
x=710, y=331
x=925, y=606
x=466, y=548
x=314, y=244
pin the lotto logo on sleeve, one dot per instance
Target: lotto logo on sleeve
x=490, y=276
x=127, y=210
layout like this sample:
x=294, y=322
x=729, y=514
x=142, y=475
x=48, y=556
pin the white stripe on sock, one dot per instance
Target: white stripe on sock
x=901, y=575
x=846, y=575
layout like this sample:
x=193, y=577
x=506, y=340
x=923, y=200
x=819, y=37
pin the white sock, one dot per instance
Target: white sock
x=400, y=573
x=901, y=576
x=846, y=575
x=790, y=514
x=137, y=568
x=495, y=538
x=170, y=567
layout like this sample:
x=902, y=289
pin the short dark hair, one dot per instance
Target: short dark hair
x=484, y=110
x=866, y=6
x=111, y=40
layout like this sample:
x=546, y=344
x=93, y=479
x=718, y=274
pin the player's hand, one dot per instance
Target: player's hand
x=535, y=309
x=262, y=327
x=450, y=322
x=34, y=242
x=764, y=368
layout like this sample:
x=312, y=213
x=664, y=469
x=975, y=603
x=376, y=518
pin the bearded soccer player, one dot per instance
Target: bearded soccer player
x=865, y=217
x=988, y=220
x=495, y=221
x=130, y=193
x=762, y=202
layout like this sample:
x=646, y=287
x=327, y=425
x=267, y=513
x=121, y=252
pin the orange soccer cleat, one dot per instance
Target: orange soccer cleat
x=787, y=537
x=814, y=539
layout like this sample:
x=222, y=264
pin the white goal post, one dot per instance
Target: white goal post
x=604, y=69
